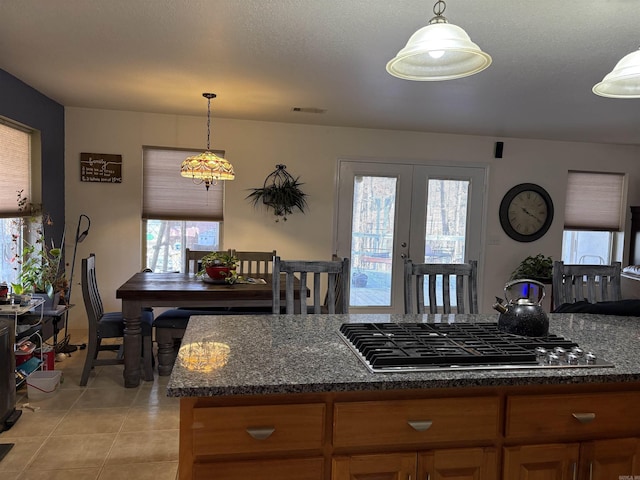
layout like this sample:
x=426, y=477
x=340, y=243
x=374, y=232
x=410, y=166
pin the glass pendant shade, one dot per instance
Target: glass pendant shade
x=439, y=51
x=207, y=167
x=624, y=79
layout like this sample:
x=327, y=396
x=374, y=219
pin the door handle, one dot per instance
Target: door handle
x=420, y=425
x=584, y=418
x=261, y=433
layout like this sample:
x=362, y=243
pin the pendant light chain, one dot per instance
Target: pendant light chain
x=209, y=96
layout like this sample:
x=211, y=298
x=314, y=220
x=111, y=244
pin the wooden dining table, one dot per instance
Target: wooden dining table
x=148, y=290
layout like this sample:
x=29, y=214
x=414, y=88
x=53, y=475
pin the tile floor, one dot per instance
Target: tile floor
x=98, y=432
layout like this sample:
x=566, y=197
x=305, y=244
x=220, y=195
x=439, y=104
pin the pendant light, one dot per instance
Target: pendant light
x=624, y=79
x=439, y=51
x=207, y=167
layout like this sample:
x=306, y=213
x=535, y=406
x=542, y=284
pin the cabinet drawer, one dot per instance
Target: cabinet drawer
x=572, y=414
x=271, y=428
x=298, y=469
x=411, y=422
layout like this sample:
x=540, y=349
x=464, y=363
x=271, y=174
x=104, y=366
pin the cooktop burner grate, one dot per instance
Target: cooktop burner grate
x=391, y=347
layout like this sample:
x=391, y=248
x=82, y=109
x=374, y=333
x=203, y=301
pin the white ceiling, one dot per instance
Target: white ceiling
x=264, y=57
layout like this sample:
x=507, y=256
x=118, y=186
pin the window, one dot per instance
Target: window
x=177, y=214
x=15, y=157
x=593, y=232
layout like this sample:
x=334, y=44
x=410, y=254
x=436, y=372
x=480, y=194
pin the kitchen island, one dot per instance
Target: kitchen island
x=285, y=397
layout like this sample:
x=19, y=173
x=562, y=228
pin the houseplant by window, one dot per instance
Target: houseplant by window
x=39, y=266
x=220, y=267
x=538, y=267
x=280, y=192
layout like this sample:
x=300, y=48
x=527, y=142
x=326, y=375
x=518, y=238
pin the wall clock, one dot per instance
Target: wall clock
x=526, y=212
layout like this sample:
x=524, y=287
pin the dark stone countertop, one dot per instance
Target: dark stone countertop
x=271, y=354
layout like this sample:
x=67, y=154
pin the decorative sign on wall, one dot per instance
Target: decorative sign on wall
x=100, y=167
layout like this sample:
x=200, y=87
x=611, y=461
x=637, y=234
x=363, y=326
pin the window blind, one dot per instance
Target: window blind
x=15, y=158
x=594, y=201
x=169, y=196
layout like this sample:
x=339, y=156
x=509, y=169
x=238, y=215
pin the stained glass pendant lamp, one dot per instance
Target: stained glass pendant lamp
x=439, y=51
x=207, y=167
x=624, y=79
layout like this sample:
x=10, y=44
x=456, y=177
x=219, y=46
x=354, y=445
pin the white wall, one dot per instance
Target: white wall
x=254, y=148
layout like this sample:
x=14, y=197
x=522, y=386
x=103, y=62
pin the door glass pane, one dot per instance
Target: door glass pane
x=446, y=227
x=374, y=205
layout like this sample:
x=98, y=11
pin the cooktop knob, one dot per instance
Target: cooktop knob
x=560, y=352
x=577, y=351
x=590, y=358
x=541, y=353
x=553, y=359
x=572, y=359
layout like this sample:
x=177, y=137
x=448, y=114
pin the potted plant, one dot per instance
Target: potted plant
x=220, y=266
x=39, y=266
x=538, y=267
x=280, y=192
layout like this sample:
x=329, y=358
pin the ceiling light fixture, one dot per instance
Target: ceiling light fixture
x=624, y=79
x=439, y=51
x=207, y=167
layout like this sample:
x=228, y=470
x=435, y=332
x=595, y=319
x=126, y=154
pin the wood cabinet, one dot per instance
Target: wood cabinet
x=560, y=432
x=415, y=422
x=218, y=435
x=391, y=466
x=535, y=418
x=460, y=463
x=597, y=460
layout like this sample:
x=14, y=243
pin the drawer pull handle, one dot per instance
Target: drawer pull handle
x=261, y=433
x=420, y=425
x=584, y=418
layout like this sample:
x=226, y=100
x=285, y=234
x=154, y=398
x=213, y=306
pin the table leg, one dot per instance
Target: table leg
x=132, y=343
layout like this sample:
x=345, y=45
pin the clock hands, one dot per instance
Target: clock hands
x=529, y=213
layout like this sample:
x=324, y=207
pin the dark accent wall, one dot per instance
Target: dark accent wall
x=24, y=104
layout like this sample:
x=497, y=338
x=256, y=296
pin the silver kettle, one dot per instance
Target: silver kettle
x=522, y=314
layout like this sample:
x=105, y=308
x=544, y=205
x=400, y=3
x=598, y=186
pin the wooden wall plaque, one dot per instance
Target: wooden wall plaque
x=100, y=167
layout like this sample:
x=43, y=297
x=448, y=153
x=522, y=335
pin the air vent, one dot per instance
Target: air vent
x=308, y=110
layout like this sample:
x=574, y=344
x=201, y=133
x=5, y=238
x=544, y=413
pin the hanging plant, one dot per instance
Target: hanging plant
x=280, y=192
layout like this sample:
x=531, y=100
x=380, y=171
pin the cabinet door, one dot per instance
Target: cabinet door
x=391, y=466
x=458, y=464
x=286, y=469
x=542, y=462
x=606, y=459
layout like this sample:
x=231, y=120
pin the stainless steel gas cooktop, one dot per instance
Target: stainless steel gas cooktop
x=431, y=347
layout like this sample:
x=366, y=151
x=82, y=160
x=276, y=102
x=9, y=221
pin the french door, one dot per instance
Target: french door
x=389, y=212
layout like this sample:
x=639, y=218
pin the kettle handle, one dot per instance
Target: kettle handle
x=525, y=280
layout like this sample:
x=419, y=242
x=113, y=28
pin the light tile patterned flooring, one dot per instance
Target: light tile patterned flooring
x=98, y=432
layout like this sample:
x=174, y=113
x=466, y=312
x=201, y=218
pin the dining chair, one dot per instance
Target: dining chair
x=103, y=325
x=439, y=277
x=250, y=263
x=336, y=273
x=594, y=283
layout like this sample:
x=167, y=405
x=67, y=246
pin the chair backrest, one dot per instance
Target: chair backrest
x=439, y=275
x=336, y=272
x=254, y=262
x=593, y=283
x=191, y=258
x=90, y=294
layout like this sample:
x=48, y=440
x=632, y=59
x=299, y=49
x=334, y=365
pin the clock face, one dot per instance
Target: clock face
x=526, y=212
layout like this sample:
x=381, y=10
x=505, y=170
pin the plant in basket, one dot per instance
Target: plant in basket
x=220, y=267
